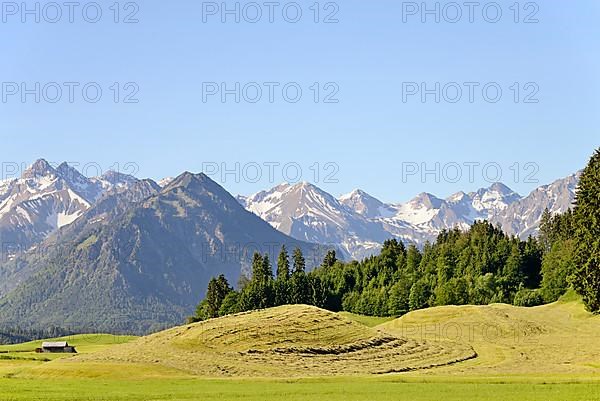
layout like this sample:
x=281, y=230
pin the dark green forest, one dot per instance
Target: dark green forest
x=15, y=335
x=479, y=266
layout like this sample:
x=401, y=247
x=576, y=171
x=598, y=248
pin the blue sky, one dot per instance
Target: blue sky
x=369, y=139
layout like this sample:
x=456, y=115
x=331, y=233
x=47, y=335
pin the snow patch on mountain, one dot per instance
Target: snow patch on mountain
x=165, y=181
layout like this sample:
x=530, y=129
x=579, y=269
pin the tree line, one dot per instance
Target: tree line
x=289, y=285
x=15, y=335
x=479, y=266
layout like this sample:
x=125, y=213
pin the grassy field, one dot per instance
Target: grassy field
x=84, y=343
x=303, y=353
x=356, y=389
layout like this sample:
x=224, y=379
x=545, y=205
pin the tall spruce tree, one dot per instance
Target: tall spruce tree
x=267, y=269
x=586, y=279
x=283, y=264
x=299, y=261
x=257, y=267
x=218, y=289
x=329, y=259
x=546, y=232
x=299, y=287
x=413, y=260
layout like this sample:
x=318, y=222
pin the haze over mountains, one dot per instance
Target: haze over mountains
x=118, y=253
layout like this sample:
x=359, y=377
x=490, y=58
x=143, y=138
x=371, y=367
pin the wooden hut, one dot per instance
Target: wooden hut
x=58, y=347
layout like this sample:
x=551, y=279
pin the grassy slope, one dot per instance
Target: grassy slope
x=288, y=341
x=550, y=340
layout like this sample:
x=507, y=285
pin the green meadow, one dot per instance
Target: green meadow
x=348, y=389
x=495, y=352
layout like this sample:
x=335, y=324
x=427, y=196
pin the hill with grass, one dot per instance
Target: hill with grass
x=287, y=341
x=555, y=339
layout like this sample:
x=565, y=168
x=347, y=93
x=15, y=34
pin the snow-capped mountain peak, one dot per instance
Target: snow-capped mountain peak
x=522, y=217
x=419, y=210
x=427, y=200
x=366, y=205
x=497, y=197
x=45, y=199
x=296, y=201
x=307, y=212
x=457, y=197
x=165, y=181
x=356, y=194
x=82, y=185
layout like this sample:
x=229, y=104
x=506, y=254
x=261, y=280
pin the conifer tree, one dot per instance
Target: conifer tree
x=218, y=289
x=413, y=260
x=259, y=293
x=257, y=267
x=283, y=264
x=587, y=235
x=267, y=269
x=299, y=262
x=545, y=236
x=330, y=259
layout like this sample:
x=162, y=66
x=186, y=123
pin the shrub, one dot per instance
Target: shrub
x=528, y=298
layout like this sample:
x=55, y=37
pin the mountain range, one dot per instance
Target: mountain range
x=118, y=253
x=358, y=222
x=138, y=259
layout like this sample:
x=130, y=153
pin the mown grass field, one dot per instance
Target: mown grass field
x=302, y=353
x=549, y=340
x=283, y=342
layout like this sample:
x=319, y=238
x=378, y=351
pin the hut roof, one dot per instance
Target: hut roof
x=56, y=344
